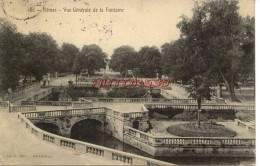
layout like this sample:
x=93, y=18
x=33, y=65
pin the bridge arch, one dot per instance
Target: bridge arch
x=51, y=127
x=87, y=118
x=87, y=128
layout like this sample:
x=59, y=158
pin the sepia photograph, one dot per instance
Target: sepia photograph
x=127, y=82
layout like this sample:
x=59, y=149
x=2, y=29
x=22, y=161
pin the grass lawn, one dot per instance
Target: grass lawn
x=204, y=130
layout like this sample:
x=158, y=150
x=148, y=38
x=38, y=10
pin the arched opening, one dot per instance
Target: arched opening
x=89, y=130
x=93, y=131
x=49, y=127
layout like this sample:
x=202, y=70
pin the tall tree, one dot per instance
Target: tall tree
x=214, y=36
x=41, y=54
x=11, y=55
x=148, y=60
x=94, y=58
x=68, y=53
x=77, y=66
x=248, y=46
x=177, y=61
x=123, y=59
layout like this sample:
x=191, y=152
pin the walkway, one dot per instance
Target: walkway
x=178, y=92
x=121, y=107
x=19, y=148
x=62, y=80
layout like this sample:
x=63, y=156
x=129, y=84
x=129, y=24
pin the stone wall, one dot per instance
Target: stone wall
x=180, y=146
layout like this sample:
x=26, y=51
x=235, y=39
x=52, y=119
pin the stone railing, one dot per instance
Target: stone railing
x=22, y=91
x=151, y=100
x=187, y=141
x=208, y=107
x=115, y=114
x=21, y=108
x=85, y=111
x=40, y=95
x=67, y=112
x=26, y=89
x=143, y=113
x=47, y=103
x=82, y=104
x=136, y=114
x=87, y=148
x=82, y=99
x=249, y=126
x=74, y=104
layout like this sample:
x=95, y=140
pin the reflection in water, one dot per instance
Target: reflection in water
x=91, y=131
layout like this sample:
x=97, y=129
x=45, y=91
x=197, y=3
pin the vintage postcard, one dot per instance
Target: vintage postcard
x=127, y=82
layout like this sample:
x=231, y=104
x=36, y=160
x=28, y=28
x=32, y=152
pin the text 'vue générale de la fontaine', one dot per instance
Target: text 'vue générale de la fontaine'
x=84, y=10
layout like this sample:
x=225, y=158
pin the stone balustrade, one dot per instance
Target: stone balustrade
x=74, y=104
x=83, y=111
x=204, y=106
x=47, y=103
x=86, y=148
x=40, y=95
x=21, y=108
x=156, y=141
x=67, y=112
x=247, y=125
x=81, y=104
x=82, y=99
x=22, y=91
x=151, y=100
x=116, y=115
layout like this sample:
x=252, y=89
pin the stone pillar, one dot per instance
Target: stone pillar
x=65, y=132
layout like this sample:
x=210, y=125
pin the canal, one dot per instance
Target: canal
x=91, y=132
x=94, y=135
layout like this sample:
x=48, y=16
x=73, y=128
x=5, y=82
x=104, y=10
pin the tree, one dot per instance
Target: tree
x=41, y=54
x=148, y=60
x=93, y=57
x=200, y=89
x=177, y=61
x=123, y=59
x=11, y=54
x=214, y=36
x=248, y=46
x=68, y=53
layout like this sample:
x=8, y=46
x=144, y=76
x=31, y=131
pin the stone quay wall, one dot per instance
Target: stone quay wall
x=189, y=146
x=86, y=148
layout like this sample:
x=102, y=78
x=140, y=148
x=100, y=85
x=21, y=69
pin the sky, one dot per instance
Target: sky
x=143, y=22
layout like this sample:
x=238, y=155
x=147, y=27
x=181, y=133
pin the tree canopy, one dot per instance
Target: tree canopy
x=11, y=50
x=37, y=54
x=123, y=59
x=68, y=53
x=148, y=61
x=93, y=58
x=214, y=43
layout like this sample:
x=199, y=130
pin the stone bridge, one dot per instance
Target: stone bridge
x=112, y=122
x=66, y=119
